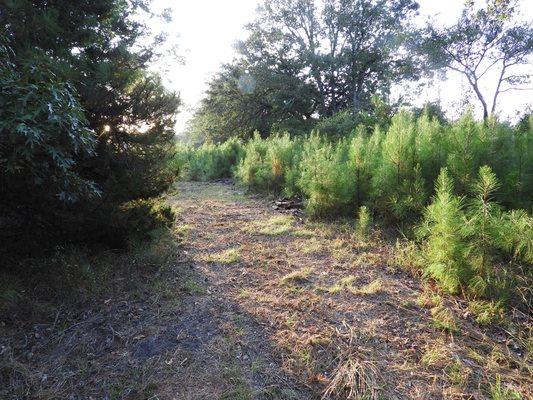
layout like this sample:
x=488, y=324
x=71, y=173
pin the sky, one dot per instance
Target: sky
x=205, y=32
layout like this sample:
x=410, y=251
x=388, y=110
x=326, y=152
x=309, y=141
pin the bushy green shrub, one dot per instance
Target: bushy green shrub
x=397, y=184
x=208, y=161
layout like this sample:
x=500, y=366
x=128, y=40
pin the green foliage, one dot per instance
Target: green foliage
x=486, y=41
x=270, y=165
x=466, y=233
x=397, y=183
x=325, y=177
x=482, y=215
x=515, y=235
x=301, y=62
x=80, y=115
x=43, y=130
x=443, y=230
x=338, y=125
x=500, y=391
x=144, y=216
x=208, y=161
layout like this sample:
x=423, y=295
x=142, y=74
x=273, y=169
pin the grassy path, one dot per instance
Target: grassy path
x=253, y=304
x=296, y=308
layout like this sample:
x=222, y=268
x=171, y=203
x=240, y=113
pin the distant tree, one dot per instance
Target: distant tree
x=241, y=100
x=481, y=41
x=307, y=60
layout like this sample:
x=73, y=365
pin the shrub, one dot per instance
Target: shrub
x=397, y=184
x=270, y=165
x=482, y=214
x=209, y=161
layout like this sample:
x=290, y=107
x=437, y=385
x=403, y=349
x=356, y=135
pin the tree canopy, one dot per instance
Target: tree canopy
x=486, y=43
x=306, y=59
x=81, y=114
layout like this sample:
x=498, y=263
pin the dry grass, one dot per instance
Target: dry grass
x=296, y=277
x=274, y=226
x=443, y=318
x=344, y=283
x=267, y=304
x=228, y=256
x=353, y=380
x=374, y=287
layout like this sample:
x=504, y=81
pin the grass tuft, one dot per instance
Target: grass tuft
x=344, y=283
x=443, y=318
x=353, y=379
x=275, y=226
x=373, y=287
x=296, y=277
x=498, y=391
x=229, y=256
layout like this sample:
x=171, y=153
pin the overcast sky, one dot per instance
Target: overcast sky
x=206, y=30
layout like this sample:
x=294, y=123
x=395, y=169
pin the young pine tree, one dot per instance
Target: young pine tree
x=482, y=214
x=397, y=184
x=445, y=248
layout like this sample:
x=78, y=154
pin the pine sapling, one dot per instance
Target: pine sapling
x=445, y=247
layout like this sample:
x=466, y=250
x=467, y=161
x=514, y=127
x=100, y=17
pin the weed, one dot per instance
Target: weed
x=498, y=391
x=457, y=374
x=436, y=354
x=407, y=255
x=363, y=222
x=240, y=389
x=443, y=318
x=182, y=232
x=192, y=287
x=344, y=283
x=486, y=312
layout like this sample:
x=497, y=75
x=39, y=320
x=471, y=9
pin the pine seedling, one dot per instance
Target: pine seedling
x=364, y=220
